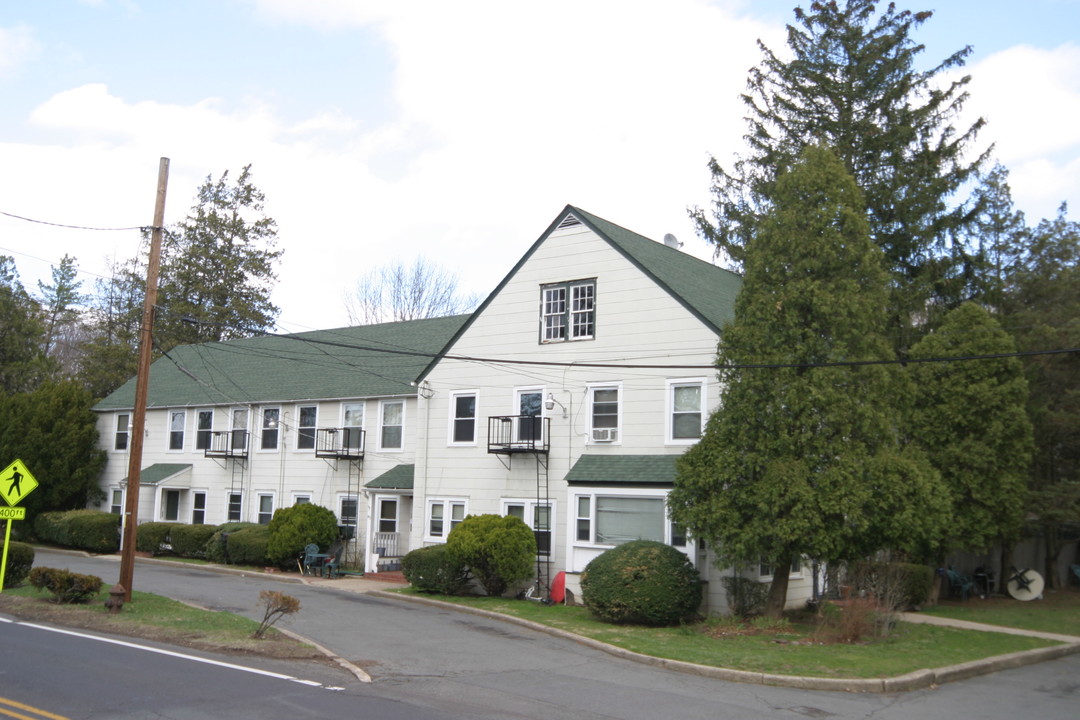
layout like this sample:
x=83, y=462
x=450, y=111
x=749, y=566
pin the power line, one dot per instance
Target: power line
x=77, y=227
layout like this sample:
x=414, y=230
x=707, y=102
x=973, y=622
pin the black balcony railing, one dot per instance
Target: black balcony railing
x=511, y=434
x=228, y=444
x=345, y=443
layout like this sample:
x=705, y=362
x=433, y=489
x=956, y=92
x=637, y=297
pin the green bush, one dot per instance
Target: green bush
x=91, y=530
x=95, y=531
x=643, y=583
x=20, y=559
x=152, y=537
x=745, y=597
x=499, y=551
x=248, y=546
x=433, y=570
x=64, y=585
x=190, y=540
x=293, y=528
x=217, y=549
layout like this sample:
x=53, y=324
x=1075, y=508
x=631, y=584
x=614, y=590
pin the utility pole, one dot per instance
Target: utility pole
x=142, y=386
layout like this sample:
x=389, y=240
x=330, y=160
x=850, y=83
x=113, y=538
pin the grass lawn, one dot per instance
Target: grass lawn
x=158, y=618
x=790, y=651
x=1057, y=612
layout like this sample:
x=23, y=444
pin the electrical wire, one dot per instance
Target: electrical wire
x=79, y=227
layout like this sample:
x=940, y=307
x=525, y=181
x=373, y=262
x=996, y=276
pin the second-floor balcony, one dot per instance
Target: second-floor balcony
x=343, y=443
x=510, y=434
x=227, y=444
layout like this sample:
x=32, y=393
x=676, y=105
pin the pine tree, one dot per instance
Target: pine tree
x=23, y=365
x=803, y=456
x=853, y=83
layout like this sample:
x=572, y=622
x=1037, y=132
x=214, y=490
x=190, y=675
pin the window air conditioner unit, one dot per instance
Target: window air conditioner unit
x=605, y=435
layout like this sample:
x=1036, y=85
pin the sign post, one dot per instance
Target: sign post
x=16, y=482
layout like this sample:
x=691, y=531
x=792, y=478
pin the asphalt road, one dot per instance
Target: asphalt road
x=470, y=666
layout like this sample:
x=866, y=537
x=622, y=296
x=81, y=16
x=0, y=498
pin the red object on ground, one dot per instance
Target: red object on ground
x=558, y=587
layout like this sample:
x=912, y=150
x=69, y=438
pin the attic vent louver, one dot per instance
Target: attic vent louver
x=568, y=222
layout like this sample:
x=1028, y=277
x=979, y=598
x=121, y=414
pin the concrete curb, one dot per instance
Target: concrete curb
x=917, y=680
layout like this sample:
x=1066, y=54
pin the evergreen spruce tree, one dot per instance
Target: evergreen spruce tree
x=23, y=365
x=853, y=82
x=803, y=457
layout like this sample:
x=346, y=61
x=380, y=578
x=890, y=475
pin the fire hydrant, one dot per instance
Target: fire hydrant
x=115, y=603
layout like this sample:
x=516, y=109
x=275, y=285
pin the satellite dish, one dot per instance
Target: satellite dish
x=672, y=242
x=1025, y=584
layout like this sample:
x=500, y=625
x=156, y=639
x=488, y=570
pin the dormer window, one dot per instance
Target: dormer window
x=568, y=311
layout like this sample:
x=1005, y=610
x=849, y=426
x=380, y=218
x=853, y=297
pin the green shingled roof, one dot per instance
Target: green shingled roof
x=160, y=472
x=706, y=290
x=623, y=470
x=399, y=477
x=354, y=362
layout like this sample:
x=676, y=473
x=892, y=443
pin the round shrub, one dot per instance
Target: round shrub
x=64, y=585
x=642, y=583
x=190, y=540
x=248, y=546
x=499, y=551
x=217, y=546
x=433, y=569
x=293, y=528
x=20, y=560
x=151, y=537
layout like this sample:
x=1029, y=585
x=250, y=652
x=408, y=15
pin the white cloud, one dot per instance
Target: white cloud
x=17, y=46
x=1030, y=98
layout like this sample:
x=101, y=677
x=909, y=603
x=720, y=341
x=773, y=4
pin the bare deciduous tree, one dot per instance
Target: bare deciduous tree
x=398, y=291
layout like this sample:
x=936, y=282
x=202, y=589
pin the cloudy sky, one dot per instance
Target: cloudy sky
x=384, y=130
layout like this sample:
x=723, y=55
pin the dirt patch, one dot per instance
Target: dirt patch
x=274, y=645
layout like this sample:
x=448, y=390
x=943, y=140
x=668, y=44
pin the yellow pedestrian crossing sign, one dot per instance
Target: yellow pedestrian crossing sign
x=16, y=482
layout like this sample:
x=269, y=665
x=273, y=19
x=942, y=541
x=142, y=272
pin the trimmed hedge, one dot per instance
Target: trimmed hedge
x=642, y=582
x=64, y=585
x=248, y=546
x=500, y=552
x=20, y=560
x=91, y=530
x=434, y=570
x=190, y=540
x=217, y=546
x=151, y=537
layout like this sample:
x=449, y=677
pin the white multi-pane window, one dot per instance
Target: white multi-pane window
x=352, y=424
x=347, y=506
x=305, y=429
x=463, y=419
x=271, y=420
x=198, y=508
x=568, y=311
x=538, y=515
x=391, y=424
x=443, y=515
x=610, y=518
x=204, y=428
x=177, y=420
x=116, y=502
x=235, y=510
x=120, y=440
x=604, y=414
x=686, y=405
x=239, y=429
x=266, y=508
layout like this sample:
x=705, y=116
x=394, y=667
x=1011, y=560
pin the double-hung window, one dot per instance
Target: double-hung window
x=305, y=430
x=538, y=516
x=568, y=311
x=604, y=414
x=391, y=422
x=443, y=515
x=120, y=440
x=177, y=420
x=239, y=429
x=271, y=420
x=198, y=508
x=352, y=425
x=235, y=509
x=463, y=420
x=204, y=420
x=686, y=410
x=266, y=508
